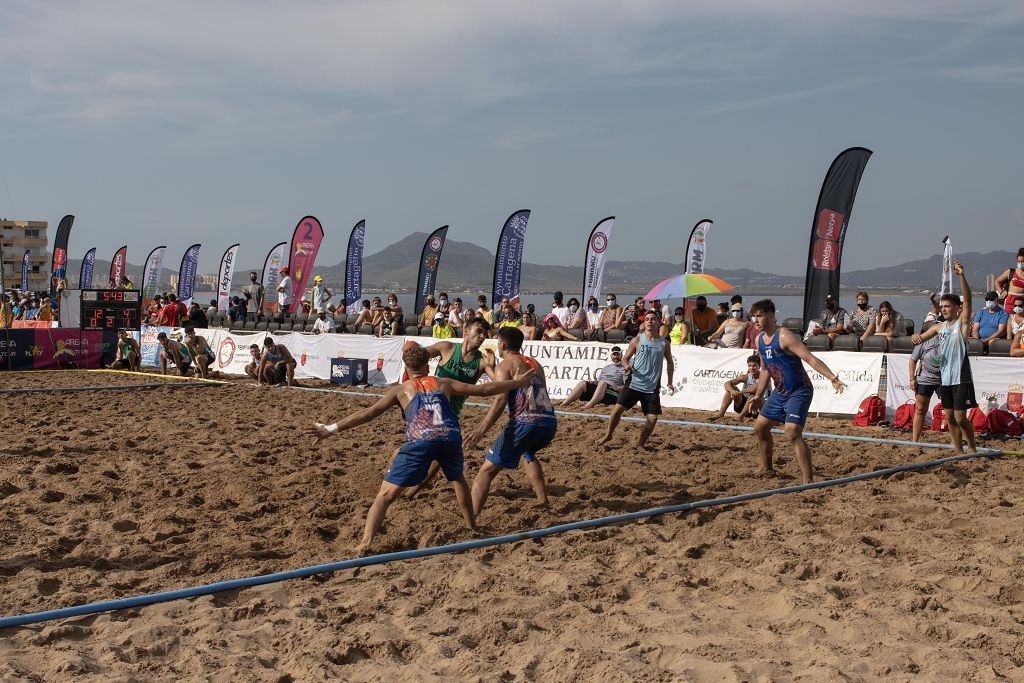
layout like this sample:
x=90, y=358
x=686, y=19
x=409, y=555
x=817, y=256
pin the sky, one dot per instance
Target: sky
x=180, y=122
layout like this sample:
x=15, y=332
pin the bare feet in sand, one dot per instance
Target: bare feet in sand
x=765, y=472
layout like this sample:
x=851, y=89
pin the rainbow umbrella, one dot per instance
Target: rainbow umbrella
x=682, y=286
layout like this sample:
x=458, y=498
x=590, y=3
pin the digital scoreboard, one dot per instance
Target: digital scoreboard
x=111, y=309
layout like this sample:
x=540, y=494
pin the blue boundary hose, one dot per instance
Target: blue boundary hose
x=63, y=390
x=685, y=423
x=252, y=581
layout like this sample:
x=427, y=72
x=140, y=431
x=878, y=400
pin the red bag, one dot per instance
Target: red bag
x=904, y=418
x=872, y=411
x=1005, y=423
x=979, y=419
x=939, y=419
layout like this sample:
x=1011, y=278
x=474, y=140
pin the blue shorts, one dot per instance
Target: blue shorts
x=791, y=409
x=520, y=441
x=412, y=462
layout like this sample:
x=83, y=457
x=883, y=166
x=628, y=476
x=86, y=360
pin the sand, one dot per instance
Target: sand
x=111, y=494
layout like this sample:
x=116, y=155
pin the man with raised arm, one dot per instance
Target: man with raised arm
x=782, y=359
x=431, y=433
x=956, y=387
x=531, y=422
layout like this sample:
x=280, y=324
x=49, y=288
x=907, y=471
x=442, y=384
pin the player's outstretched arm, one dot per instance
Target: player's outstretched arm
x=322, y=431
x=789, y=342
x=501, y=375
x=966, y=314
x=926, y=335
x=439, y=349
x=490, y=388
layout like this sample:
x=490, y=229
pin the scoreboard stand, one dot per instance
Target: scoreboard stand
x=110, y=310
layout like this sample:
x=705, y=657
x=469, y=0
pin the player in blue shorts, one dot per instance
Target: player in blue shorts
x=531, y=424
x=782, y=359
x=431, y=433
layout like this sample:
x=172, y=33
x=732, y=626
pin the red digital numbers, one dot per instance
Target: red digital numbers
x=113, y=295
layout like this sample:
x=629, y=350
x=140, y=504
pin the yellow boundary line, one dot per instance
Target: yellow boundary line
x=178, y=378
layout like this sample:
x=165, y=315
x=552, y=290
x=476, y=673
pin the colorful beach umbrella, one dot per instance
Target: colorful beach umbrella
x=682, y=286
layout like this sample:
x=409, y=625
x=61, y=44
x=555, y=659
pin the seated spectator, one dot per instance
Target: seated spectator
x=990, y=323
x=237, y=311
x=18, y=309
x=631, y=321
x=593, y=313
x=444, y=304
x=366, y=313
x=553, y=330
x=887, y=323
x=740, y=389
x=305, y=306
x=456, y=316
x=609, y=382
x=560, y=309
x=254, y=365
x=833, y=321
x=612, y=315
x=482, y=310
x=637, y=309
x=1016, y=319
x=934, y=314
x=32, y=311
x=153, y=310
x=750, y=338
x=678, y=331
x=703, y=321
x=528, y=323
x=577, y=319
x=507, y=315
x=388, y=324
x=862, y=316
x=324, y=324
x=211, y=310
x=395, y=308
x=1010, y=282
x=1017, y=345
x=197, y=318
x=277, y=365
x=737, y=299
x=46, y=313
x=732, y=333
x=662, y=310
x=442, y=328
x=721, y=313
x=426, y=318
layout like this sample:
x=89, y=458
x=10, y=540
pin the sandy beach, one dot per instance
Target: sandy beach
x=111, y=494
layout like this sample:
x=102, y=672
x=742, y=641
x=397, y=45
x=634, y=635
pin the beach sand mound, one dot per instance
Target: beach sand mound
x=112, y=494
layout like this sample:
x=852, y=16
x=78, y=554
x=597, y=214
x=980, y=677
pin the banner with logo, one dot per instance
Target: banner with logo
x=313, y=354
x=224, y=275
x=947, y=266
x=354, y=268
x=85, y=275
x=187, y=274
x=272, y=274
x=24, y=270
x=117, y=265
x=430, y=261
x=150, y=347
x=151, y=275
x=696, y=246
x=55, y=349
x=828, y=230
x=508, y=258
x=897, y=385
x=59, y=261
x=305, y=244
x=231, y=350
x=597, y=253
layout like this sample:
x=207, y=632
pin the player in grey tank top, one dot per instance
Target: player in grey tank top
x=648, y=352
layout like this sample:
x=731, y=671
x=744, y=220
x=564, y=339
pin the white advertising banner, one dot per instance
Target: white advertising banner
x=999, y=381
x=700, y=374
x=314, y=352
x=232, y=350
x=860, y=372
x=897, y=386
x=597, y=254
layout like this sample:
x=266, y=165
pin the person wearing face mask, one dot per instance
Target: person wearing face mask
x=833, y=321
x=862, y=316
x=559, y=308
x=1011, y=282
x=990, y=323
x=426, y=318
x=1016, y=320
x=483, y=311
x=443, y=305
x=732, y=333
x=677, y=330
x=704, y=321
x=577, y=318
x=399, y=314
x=612, y=317
x=593, y=323
x=254, y=294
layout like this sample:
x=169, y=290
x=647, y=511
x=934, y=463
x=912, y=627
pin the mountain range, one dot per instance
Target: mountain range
x=467, y=267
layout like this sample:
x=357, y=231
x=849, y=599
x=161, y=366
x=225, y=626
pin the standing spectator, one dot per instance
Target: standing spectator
x=154, y=310
x=254, y=294
x=732, y=333
x=1011, y=282
x=284, y=294
x=560, y=309
x=197, y=318
x=388, y=323
x=173, y=313
x=320, y=296
x=442, y=327
x=703, y=321
x=612, y=315
x=1016, y=319
x=482, y=311
x=593, y=327
x=45, y=311
x=211, y=310
x=112, y=284
x=678, y=331
x=126, y=282
x=429, y=311
x=324, y=324
x=662, y=310
x=750, y=339
x=237, y=311
x=887, y=323
x=833, y=321
x=862, y=316
x=577, y=319
x=990, y=323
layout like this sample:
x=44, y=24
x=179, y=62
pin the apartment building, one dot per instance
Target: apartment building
x=15, y=238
